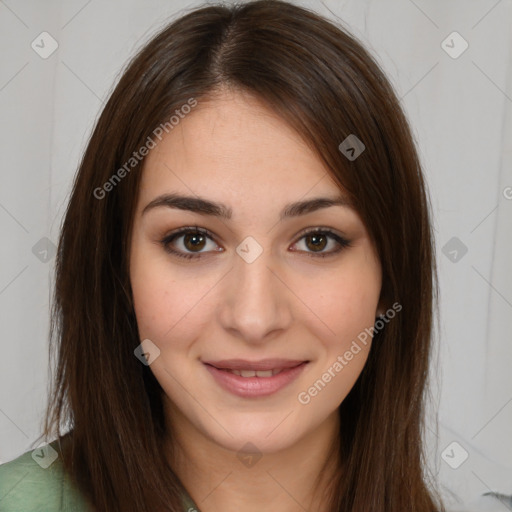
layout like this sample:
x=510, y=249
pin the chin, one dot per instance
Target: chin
x=268, y=433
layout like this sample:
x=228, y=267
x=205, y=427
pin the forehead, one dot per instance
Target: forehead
x=234, y=144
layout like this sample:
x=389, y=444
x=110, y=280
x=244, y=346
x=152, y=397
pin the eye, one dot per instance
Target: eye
x=194, y=239
x=316, y=240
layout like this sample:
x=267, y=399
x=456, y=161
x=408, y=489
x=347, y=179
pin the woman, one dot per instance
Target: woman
x=245, y=283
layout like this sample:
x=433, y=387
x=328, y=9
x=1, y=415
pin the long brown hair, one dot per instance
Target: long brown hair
x=321, y=81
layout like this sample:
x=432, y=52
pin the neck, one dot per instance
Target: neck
x=294, y=479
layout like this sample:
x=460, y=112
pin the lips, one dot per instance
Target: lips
x=253, y=379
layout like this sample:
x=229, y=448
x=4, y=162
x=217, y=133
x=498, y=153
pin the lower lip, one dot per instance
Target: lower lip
x=255, y=386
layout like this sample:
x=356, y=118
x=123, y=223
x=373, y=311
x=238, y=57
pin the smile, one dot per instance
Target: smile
x=255, y=379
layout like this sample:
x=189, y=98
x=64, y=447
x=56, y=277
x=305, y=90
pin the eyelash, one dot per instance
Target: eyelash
x=343, y=242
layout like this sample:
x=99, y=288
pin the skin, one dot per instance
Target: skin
x=287, y=303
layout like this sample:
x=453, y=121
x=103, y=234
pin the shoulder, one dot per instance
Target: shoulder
x=36, y=481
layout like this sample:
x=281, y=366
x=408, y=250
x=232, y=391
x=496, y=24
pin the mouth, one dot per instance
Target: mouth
x=261, y=365
x=255, y=378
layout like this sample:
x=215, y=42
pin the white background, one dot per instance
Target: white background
x=460, y=109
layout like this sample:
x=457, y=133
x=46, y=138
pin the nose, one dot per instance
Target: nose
x=256, y=302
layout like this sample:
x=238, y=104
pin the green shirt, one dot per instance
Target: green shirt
x=36, y=481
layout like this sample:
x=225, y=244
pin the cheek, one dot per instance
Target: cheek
x=344, y=301
x=166, y=303
x=150, y=286
x=347, y=305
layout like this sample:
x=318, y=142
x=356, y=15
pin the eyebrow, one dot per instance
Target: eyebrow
x=206, y=207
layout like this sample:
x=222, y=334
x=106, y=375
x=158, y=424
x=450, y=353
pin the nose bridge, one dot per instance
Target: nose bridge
x=256, y=302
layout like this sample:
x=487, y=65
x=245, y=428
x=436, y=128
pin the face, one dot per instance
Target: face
x=253, y=285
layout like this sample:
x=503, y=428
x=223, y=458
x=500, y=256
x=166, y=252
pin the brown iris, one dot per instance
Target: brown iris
x=318, y=242
x=197, y=241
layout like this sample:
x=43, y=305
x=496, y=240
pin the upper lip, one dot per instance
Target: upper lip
x=263, y=364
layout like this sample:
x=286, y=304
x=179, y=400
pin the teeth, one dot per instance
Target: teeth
x=264, y=373
x=254, y=373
